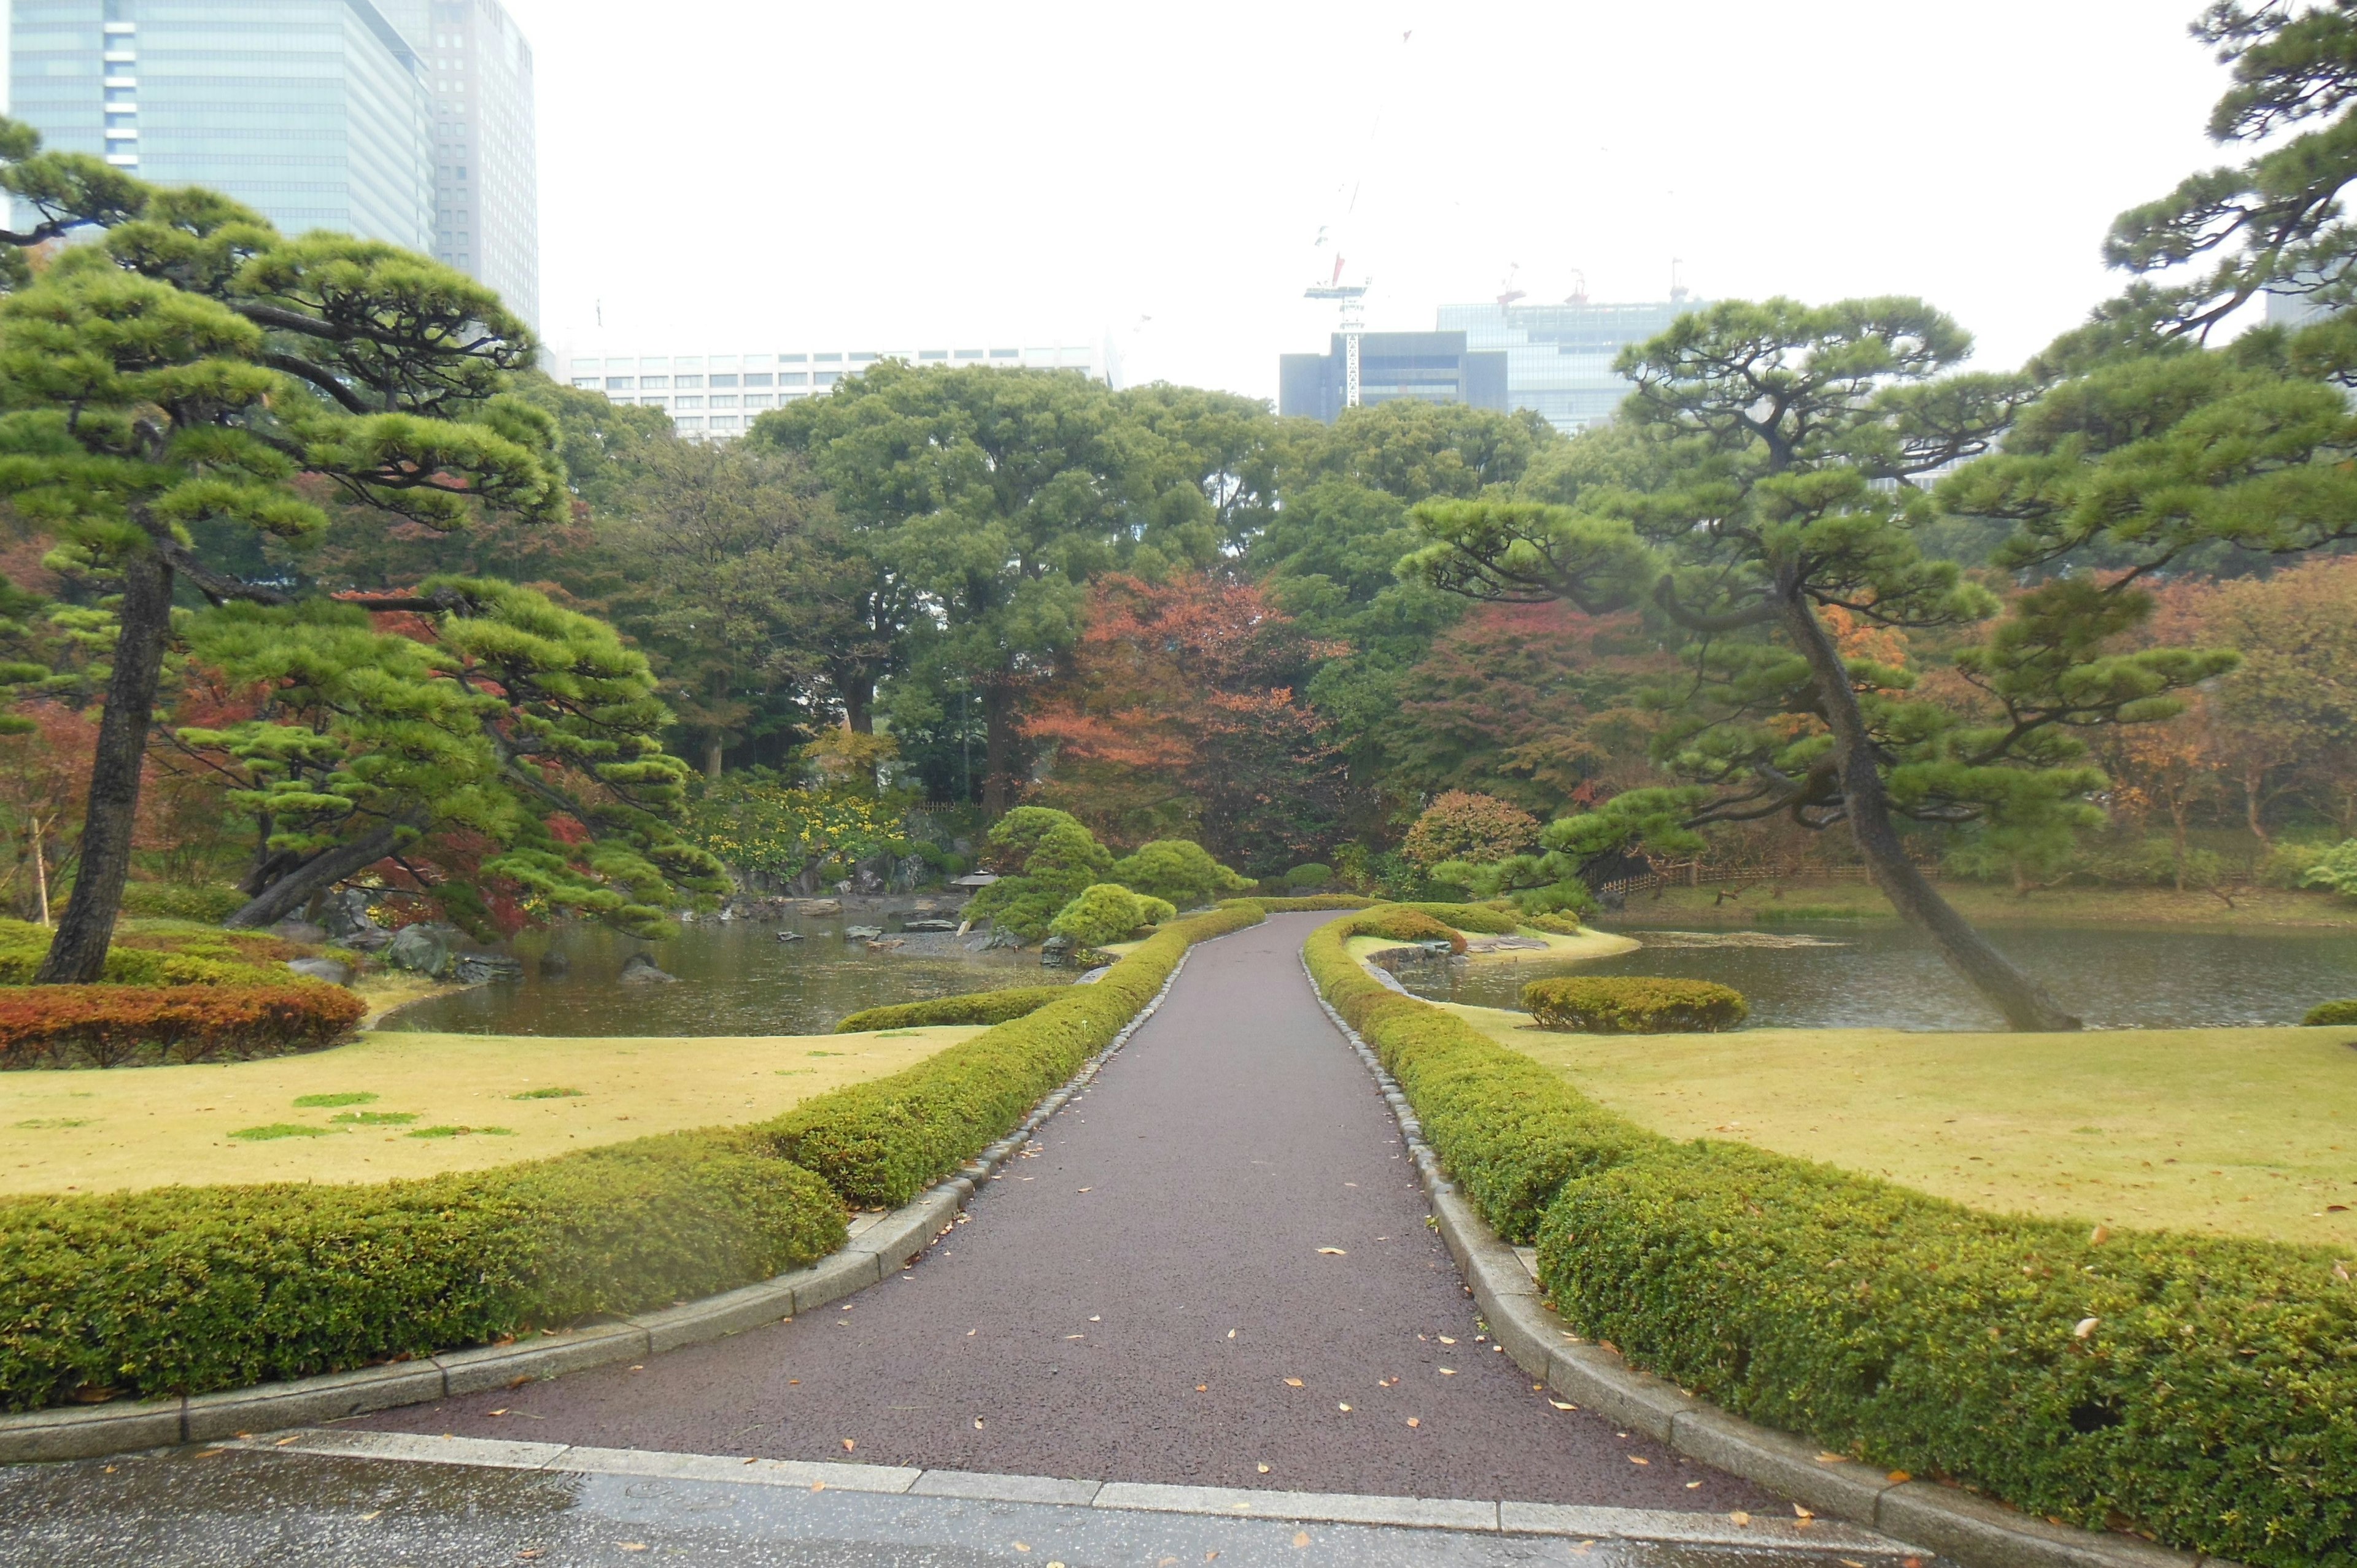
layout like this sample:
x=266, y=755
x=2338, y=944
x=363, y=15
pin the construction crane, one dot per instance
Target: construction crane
x=1351, y=297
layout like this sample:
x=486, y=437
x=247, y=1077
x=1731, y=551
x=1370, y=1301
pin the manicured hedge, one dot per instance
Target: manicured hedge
x=1633, y=1005
x=106, y=1026
x=184, y=1290
x=181, y=901
x=2331, y=1013
x=1398, y=923
x=1477, y=918
x=973, y=1007
x=2204, y=1391
x=1309, y=903
x=880, y=1144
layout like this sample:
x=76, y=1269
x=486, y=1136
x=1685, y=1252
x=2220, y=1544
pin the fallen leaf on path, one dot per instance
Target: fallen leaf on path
x=495, y=1413
x=1799, y=1512
x=1292, y=1382
x=1342, y=1407
x=1638, y=1459
x=752, y=1461
x=1300, y=1539
x=366, y=1516
x=1232, y=1334
x=848, y=1445
x=1740, y=1516
x=1448, y=1371
x=977, y=1424
x=818, y=1486
x=1332, y=1252
x=1692, y=1485
x=1413, y=1421
x=1096, y=1320
x=1899, y=1477
x=1086, y=1189
x=633, y=1545
x=1203, y=1388
x=1076, y=1337
x=1261, y=1468
x=1021, y=1546
x=1832, y=1458
x=1560, y=1406
x=1445, y=1339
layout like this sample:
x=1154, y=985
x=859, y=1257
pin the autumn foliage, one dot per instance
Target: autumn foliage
x=106, y=1026
x=1179, y=716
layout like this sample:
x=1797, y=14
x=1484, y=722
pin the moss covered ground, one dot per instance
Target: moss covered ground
x=413, y=1104
x=2249, y=1132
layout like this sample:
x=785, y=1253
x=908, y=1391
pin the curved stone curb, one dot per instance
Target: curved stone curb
x=878, y=1246
x=1957, y=1524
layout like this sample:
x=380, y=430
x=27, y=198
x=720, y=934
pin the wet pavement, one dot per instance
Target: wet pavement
x=234, y=1507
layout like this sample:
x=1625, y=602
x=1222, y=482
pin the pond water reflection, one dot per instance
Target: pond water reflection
x=1881, y=974
x=735, y=978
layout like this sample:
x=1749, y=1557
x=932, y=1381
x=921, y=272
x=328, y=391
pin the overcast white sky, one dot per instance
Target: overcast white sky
x=725, y=173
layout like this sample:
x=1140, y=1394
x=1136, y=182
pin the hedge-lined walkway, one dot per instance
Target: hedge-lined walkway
x=1131, y=1303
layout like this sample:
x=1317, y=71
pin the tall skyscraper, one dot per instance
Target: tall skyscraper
x=1559, y=356
x=406, y=120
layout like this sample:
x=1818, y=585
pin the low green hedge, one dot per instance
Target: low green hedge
x=2331, y=1013
x=1307, y=903
x=881, y=1143
x=973, y=1007
x=181, y=901
x=1477, y=918
x=1633, y=1005
x=186, y=1290
x=2203, y=1390
x=1398, y=923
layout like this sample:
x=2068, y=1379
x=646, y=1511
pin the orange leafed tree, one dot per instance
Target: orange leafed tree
x=1179, y=715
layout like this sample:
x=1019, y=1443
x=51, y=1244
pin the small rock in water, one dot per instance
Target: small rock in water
x=326, y=969
x=789, y=936
x=862, y=934
x=477, y=968
x=639, y=970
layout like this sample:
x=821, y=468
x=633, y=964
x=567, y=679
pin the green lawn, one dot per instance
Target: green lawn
x=2227, y=1131
x=1990, y=905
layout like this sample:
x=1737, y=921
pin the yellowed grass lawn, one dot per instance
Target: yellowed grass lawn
x=133, y=1127
x=1587, y=944
x=2225, y=1131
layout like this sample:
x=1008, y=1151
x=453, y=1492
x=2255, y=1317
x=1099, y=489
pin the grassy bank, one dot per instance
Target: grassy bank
x=1587, y=944
x=1801, y=900
x=104, y=1132
x=2221, y=1131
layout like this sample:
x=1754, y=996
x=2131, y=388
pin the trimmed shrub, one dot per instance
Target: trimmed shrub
x=1400, y=923
x=882, y=1143
x=1050, y=859
x=1633, y=1005
x=1313, y=875
x=2196, y=1389
x=1478, y=918
x=973, y=1007
x=1108, y=912
x=1298, y=906
x=106, y=1026
x=184, y=1290
x=2331, y=1013
x=1460, y=825
x=1563, y=923
x=1180, y=870
x=179, y=901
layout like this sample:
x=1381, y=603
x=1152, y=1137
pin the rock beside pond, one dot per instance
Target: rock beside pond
x=424, y=948
x=327, y=969
x=639, y=970
x=298, y=932
x=822, y=906
x=481, y=967
x=862, y=934
x=928, y=925
x=1056, y=953
x=554, y=962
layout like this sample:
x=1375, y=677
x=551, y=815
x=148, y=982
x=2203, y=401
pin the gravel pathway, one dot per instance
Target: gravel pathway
x=1212, y=1269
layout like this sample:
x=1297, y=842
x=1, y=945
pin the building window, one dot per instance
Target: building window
x=660, y=401
x=763, y=380
x=759, y=400
x=618, y=383
x=690, y=403
x=1006, y=353
x=969, y=353
x=932, y=353
x=622, y=401
x=648, y=381
x=793, y=379
x=826, y=377
x=590, y=382
x=859, y=359
x=693, y=421
x=724, y=380
x=827, y=358
x=727, y=402
x=725, y=422
x=794, y=359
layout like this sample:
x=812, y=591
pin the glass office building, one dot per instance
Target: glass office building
x=715, y=396
x=1559, y=356
x=1431, y=367
x=315, y=112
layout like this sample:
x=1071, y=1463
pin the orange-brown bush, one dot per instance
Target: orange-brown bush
x=107, y=1025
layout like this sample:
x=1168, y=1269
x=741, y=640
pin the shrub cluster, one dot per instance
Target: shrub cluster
x=2200, y=1389
x=181, y=901
x=1399, y=923
x=882, y=1143
x=973, y=1007
x=186, y=1290
x=1482, y=917
x=1180, y=870
x=1309, y=902
x=107, y=1025
x=2331, y=1013
x=1561, y=922
x=1633, y=1005
x=1107, y=912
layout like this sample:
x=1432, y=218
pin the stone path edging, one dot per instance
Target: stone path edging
x=1220, y=1502
x=1970, y=1529
x=878, y=1245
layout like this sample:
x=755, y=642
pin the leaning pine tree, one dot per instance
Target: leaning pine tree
x=165, y=386
x=1766, y=530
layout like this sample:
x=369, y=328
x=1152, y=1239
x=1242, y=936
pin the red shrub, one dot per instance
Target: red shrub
x=110, y=1025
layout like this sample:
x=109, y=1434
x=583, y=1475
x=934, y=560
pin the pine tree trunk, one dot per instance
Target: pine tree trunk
x=294, y=890
x=78, y=956
x=858, y=695
x=997, y=750
x=2022, y=1001
x=713, y=747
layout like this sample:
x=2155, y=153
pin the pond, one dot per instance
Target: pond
x=735, y=978
x=1851, y=974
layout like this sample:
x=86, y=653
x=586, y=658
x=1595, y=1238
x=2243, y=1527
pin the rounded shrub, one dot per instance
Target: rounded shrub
x=1400, y=923
x=1310, y=875
x=973, y=1007
x=1107, y=912
x=2331, y=1013
x=179, y=901
x=1179, y=870
x=1485, y=918
x=1633, y=1005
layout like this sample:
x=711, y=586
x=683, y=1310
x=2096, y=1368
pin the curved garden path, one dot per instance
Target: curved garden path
x=1134, y=1300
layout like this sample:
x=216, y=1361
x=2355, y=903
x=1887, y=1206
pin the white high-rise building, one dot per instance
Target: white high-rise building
x=716, y=395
